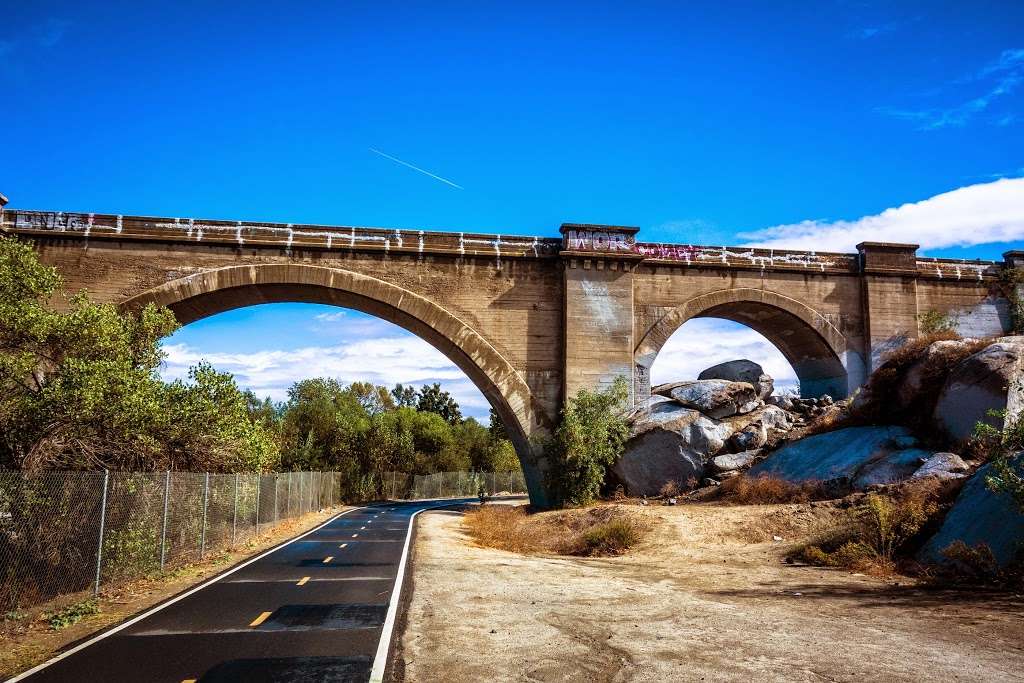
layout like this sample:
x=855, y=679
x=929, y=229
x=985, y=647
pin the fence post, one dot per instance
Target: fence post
x=206, y=503
x=234, y=521
x=276, y=509
x=103, y=523
x=163, y=530
x=259, y=485
x=288, y=496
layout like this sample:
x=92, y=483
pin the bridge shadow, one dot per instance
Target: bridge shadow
x=887, y=596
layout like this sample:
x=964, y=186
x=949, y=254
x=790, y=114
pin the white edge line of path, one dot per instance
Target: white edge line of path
x=380, y=660
x=154, y=610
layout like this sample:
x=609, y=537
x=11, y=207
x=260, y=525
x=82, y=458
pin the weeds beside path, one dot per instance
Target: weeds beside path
x=707, y=595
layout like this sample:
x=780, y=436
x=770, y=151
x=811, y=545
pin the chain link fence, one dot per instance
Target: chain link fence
x=67, y=532
x=402, y=486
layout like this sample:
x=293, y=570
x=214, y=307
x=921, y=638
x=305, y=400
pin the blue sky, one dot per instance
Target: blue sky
x=775, y=123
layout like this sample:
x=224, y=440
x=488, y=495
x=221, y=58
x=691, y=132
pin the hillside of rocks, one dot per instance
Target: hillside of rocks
x=913, y=419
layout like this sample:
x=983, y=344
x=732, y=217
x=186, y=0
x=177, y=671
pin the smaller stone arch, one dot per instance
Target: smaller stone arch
x=199, y=295
x=816, y=349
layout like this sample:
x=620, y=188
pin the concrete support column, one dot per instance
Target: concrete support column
x=889, y=292
x=598, y=269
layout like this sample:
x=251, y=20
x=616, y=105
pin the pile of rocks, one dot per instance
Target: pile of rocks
x=715, y=425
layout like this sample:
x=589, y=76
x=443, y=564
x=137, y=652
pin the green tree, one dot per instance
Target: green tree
x=496, y=427
x=590, y=438
x=404, y=396
x=374, y=399
x=79, y=387
x=322, y=426
x=432, y=399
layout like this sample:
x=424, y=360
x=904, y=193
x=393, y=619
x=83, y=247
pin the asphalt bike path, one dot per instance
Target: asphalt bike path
x=312, y=609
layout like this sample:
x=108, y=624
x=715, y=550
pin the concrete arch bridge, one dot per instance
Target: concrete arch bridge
x=531, y=320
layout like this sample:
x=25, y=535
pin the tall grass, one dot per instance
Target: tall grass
x=600, y=530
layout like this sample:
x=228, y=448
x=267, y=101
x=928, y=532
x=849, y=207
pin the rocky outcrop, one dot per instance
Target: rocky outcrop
x=948, y=386
x=980, y=516
x=856, y=457
x=715, y=398
x=990, y=379
x=742, y=370
x=669, y=442
x=677, y=432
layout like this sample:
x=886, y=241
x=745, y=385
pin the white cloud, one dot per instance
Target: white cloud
x=702, y=342
x=385, y=361
x=975, y=214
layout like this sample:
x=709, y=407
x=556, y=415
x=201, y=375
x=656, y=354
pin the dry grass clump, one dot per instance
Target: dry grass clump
x=600, y=530
x=880, y=533
x=764, y=488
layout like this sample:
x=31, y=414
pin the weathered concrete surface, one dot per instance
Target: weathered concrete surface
x=529, y=320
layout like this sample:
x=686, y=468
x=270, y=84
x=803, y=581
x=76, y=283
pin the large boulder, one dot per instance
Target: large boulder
x=655, y=458
x=980, y=516
x=742, y=370
x=643, y=410
x=734, y=461
x=668, y=442
x=715, y=398
x=942, y=466
x=990, y=379
x=856, y=456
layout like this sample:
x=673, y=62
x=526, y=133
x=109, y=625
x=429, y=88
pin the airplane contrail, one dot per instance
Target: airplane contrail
x=416, y=168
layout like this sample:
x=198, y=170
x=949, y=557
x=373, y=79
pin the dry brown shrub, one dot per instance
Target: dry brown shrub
x=599, y=530
x=884, y=381
x=747, y=490
x=880, y=533
x=669, y=489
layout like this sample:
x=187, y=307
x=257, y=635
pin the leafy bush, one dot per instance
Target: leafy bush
x=71, y=615
x=590, y=438
x=933, y=322
x=1002, y=448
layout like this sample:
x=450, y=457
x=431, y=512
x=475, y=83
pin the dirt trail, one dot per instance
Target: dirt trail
x=707, y=597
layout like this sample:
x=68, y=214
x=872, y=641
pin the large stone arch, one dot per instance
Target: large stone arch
x=197, y=296
x=816, y=349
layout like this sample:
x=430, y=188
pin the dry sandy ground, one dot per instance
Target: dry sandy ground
x=706, y=597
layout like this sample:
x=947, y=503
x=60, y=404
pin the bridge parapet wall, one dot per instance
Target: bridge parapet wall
x=278, y=235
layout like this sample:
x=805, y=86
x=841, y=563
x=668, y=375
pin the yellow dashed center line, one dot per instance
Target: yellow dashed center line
x=328, y=559
x=302, y=581
x=189, y=680
x=260, y=619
